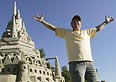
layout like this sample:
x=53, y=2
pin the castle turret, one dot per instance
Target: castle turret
x=23, y=72
x=20, y=61
x=13, y=29
x=57, y=68
x=14, y=9
x=58, y=75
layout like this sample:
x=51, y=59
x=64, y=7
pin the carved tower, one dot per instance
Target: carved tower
x=19, y=60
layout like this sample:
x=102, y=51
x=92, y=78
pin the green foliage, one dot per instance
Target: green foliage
x=42, y=53
x=66, y=74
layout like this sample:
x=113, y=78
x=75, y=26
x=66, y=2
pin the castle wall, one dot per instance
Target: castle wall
x=7, y=78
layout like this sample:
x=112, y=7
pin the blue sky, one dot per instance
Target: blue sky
x=60, y=13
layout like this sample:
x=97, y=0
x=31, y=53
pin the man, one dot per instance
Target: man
x=80, y=60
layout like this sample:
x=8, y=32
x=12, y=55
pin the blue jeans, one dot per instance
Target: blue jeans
x=83, y=70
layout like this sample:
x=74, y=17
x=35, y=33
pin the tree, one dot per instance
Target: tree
x=42, y=53
x=66, y=74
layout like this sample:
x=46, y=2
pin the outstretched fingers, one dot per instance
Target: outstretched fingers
x=109, y=19
x=38, y=18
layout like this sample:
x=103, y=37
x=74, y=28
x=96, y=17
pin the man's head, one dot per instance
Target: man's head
x=76, y=22
x=77, y=17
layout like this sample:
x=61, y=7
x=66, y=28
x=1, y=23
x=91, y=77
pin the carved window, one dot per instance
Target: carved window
x=38, y=62
x=47, y=79
x=14, y=54
x=40, y=71
x=47, y=73
x=38, y=57
x=30, y=70
x=29, y=60
x=6, y=54
x=2, y=55
x=48, y=65
x=24, y=67
x=39, y=78
x=9, y=34
x=35, y=71
x=44, y=72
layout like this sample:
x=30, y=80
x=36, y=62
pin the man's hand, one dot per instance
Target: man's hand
x=108, y=19
x=39, y=18
x=102, y=25
x=46, y=24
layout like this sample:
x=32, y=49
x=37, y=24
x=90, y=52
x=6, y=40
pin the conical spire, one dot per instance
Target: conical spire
x=57, y=68
x=14, y=8
x=16, y=28
x=13, y=19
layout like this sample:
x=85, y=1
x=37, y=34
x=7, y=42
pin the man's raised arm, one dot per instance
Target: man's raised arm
x=46, y=24
x=107, y=21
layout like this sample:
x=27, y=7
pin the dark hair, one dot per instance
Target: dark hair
x=76, y=17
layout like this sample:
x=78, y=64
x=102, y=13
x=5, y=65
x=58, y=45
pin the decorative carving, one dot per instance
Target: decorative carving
x=18, y=57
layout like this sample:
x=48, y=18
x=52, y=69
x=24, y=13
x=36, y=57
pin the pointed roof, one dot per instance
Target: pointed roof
x=14, y=8
x=16, y=59
x=7, y=60
x=16, y=29
x=57, y=68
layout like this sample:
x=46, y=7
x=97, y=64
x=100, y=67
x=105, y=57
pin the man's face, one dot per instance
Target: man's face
x=76, y=25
